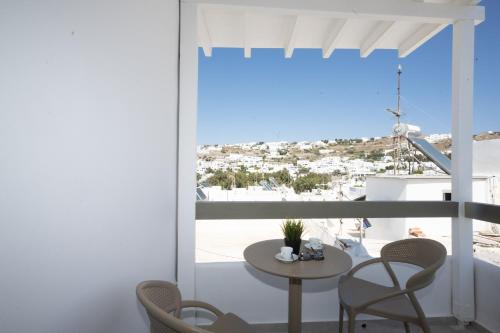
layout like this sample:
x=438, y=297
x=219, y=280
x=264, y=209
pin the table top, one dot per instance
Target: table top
x=261, y=256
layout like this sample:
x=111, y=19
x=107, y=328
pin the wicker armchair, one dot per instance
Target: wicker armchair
x=361, y=296
x=163, y=303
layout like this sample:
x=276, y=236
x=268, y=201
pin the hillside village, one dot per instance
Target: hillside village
x=315, y=163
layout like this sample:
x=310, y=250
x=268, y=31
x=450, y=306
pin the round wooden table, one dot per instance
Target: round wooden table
x=261, y=256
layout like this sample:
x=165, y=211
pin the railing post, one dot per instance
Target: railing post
x=462, y=108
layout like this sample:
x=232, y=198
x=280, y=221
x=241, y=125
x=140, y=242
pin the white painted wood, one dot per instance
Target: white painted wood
x=374, y=37
x=290, y=45
x=247, y=48
x=422, y=35
x=247, y=52
x=383, y=10
x=186, y=175
x=333, y=36
x=204, y=37
x=462, y=109
x=305, y=24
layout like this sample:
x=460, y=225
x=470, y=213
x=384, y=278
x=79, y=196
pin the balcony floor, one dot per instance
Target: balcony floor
x=372, y=326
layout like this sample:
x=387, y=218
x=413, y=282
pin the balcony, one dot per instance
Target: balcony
x=98, y=107
x=320, y=296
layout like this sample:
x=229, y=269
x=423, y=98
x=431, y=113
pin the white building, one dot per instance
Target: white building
x=416, y=188
x=486, y=189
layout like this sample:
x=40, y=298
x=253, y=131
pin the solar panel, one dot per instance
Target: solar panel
x=273, y=182
x=431, y=152
x=265, y=185
x=200, y=195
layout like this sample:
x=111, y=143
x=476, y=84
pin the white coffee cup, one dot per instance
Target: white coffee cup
x=286, y=252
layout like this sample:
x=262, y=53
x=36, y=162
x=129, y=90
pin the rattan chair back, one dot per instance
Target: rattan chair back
x=162, y=301
x=425, y=253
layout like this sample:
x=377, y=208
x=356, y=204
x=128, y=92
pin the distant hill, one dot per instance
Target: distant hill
x=290, y=152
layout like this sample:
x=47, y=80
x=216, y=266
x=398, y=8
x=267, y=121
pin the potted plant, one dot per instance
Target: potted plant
x=292, y=230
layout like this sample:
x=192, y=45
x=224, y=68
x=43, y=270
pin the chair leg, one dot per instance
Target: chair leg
x=421, y=315
x=407, y=327
x=341, y=318
x=424, y=325
x=352, y=322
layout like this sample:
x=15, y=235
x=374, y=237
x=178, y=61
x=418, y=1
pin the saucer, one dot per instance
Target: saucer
x=287, y=261
x=310, y=247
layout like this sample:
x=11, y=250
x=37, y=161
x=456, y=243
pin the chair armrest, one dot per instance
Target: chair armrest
x=364, y=264
x=203, y=305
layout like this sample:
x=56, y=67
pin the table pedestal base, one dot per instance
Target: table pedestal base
x=294, y=305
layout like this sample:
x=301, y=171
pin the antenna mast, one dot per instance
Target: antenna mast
x=397, y=140
x=398, y=114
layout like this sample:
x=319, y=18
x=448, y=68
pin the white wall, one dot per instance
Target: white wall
x=487, y=162
x=383, y=189
x=486, y=158
x=428, y=189
x=88, y=100
x=259, y=297
x=486, y=277
x=409, y=188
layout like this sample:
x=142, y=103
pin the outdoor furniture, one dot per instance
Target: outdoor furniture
x=361, y=296
x=261, y=256
x=163, y=303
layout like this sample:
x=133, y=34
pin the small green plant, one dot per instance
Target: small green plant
x=292, y=229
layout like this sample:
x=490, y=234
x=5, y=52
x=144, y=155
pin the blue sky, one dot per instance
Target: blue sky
x=270, y=98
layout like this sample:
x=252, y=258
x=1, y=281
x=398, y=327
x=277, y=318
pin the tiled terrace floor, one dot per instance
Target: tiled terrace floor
x=377, y=326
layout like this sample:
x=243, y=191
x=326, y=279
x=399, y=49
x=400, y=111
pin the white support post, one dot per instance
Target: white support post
x=462, y=108
x=186, y=175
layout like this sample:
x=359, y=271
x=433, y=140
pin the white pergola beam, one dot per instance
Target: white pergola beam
x=422, y=35
x=204, y=34
x=374, y=37
x=382, y=10
x=290, y=45
x=247, y=50
x=333, y=37
x=462, y=87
